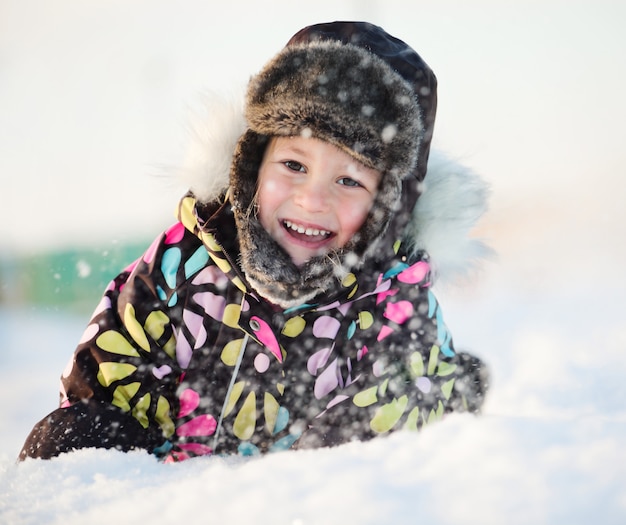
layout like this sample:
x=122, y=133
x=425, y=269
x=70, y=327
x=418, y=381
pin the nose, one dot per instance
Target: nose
x=313, y=195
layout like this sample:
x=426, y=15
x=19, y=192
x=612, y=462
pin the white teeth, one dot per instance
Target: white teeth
x=307, y=231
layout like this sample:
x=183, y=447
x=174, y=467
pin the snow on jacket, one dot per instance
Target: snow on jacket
x=182, y=358
x=189, y=353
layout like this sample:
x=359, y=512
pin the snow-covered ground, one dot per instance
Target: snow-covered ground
x=532, y=98
x=549, y=448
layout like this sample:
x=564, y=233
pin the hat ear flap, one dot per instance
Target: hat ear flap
x=244, y=170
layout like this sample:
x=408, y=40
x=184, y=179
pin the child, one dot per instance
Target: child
x=291, y=308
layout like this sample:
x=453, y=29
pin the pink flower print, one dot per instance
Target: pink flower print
x=161, y=371
x=89, y=333
x=261, y=363
x=189, y=401
x=414, y=273
x=213, y=304
x=327, y=381
x=211, y=274
x=183, y=350
x=344, y=308
x=384, y=332
x=193, y=322
x=326, y=327
x=203, y=425
x=330, y=306
x=336, y=400
x=318, y=360
x=175, y=234
x=348, y=381
x=399, y=312
x=385, y=293
x=196, y=327
x=266, y=336
x=381, y=290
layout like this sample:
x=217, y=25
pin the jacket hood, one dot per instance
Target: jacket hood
x=400, y=57
x=362, y=90
x=452, y=201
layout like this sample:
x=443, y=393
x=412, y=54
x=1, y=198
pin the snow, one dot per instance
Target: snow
x=549, y=447
x=465, y=471
x=547, y=315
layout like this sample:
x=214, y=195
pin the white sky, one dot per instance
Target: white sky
x=93, y=101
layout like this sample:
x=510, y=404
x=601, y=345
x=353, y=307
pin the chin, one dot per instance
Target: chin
x=300, y=261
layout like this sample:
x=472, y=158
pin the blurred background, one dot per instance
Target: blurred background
x=95, y=98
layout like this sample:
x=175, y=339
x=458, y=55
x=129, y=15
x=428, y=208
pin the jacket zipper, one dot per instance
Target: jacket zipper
x=230, y=389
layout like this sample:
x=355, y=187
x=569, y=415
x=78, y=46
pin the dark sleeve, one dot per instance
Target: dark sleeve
x=425, y=373
x=84, y=425
x=410, y=377
x=119, y=390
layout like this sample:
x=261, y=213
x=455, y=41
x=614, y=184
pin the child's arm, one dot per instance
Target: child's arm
x=410, y=377
x=84, y=425
x=119, y=389
x=426, y=370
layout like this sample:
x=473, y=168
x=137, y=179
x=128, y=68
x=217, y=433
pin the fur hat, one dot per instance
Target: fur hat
x=343, y=95
x=339, y=85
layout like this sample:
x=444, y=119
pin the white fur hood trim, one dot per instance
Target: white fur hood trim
x=453, y=200
x=215, y=129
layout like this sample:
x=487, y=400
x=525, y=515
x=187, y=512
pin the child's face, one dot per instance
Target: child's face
x=312, y=196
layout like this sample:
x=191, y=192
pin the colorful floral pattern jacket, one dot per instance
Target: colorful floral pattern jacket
x=182, y=359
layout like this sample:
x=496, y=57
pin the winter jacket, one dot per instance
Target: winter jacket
x=189, y=353
x=182, y=358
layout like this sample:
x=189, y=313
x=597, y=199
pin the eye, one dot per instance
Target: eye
x=346, y=181
x=294, y=166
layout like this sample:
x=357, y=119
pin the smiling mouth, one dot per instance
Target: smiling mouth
x=306, y=233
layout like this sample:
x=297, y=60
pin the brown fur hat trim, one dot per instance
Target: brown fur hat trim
x=354, y=99
x=344, y=95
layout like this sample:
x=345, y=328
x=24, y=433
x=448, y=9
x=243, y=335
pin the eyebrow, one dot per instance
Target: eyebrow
x=361, y=169
x=291, y=148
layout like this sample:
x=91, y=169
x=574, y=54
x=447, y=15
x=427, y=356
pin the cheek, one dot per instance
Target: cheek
x=268, y=199
x=352, y=217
